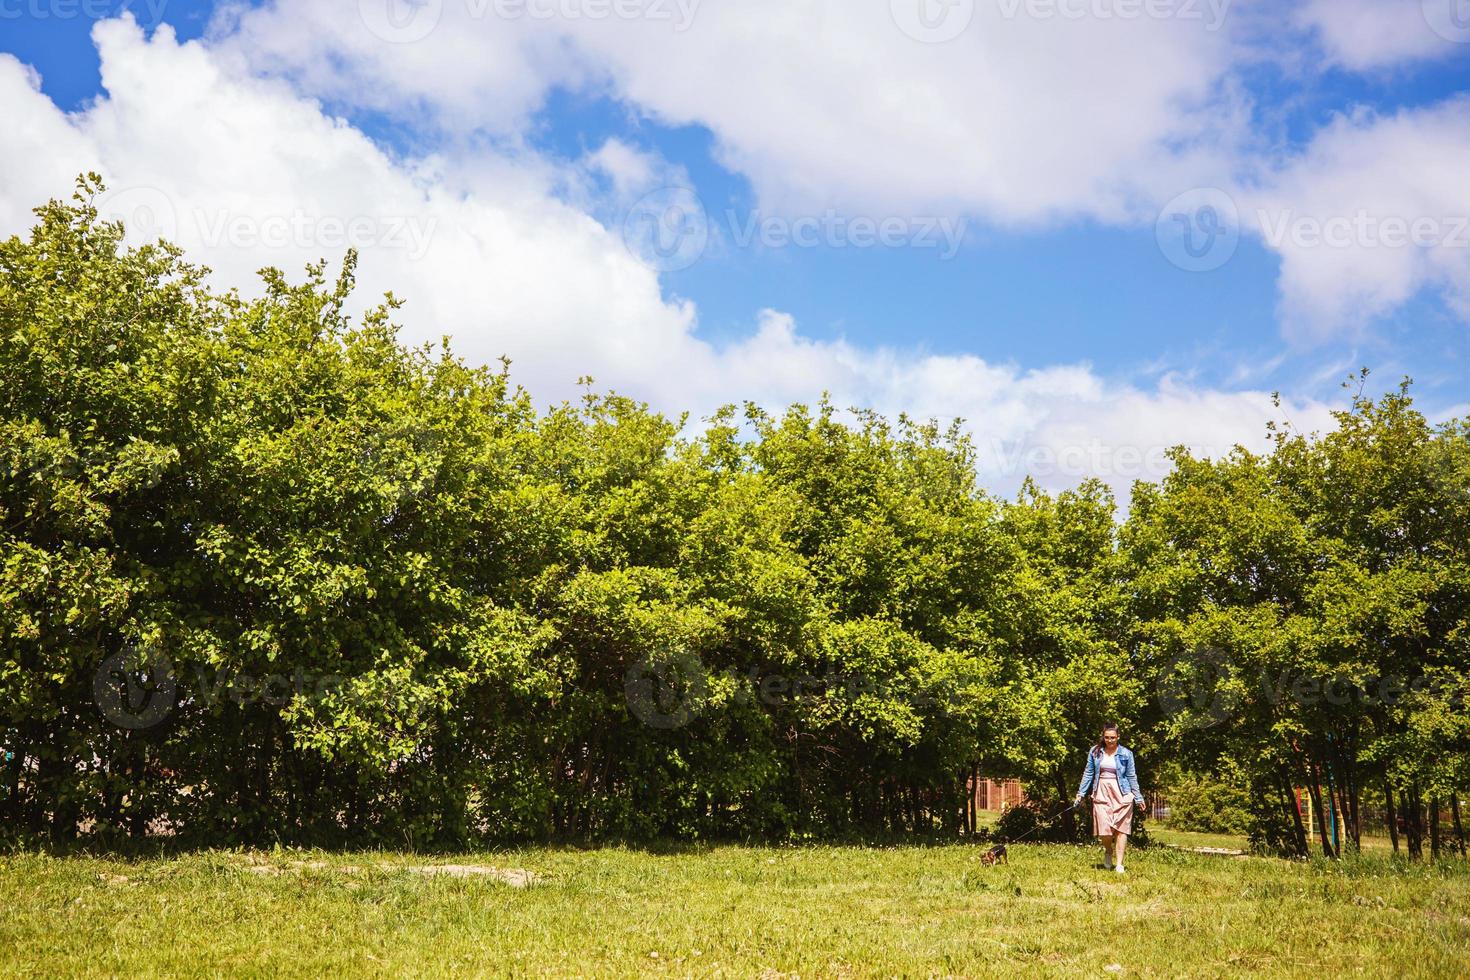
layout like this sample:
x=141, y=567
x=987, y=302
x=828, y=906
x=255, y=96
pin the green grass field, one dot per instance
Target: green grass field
x=732, y=911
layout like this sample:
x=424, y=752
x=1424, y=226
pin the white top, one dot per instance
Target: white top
x=1110, y=762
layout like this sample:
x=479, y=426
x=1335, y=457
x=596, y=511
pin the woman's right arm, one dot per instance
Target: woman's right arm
x=1086, y=774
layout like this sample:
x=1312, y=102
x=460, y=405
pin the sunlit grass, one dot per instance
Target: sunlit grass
x=741, y=911
x=1164, y=834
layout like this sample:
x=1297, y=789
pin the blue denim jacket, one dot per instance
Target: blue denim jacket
x=1127, y=773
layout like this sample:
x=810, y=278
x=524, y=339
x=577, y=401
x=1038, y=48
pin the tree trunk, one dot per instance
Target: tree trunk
x=1334, y=799
x=1288, y=796
x=1414, y=822
x=1459, y=828
x=1314, y=788
x=141, y=811
x=1344, y=779
x=1355, y=800
x=57, y=787
x=974, y=804
x=1069, y=820
x=11, y=803
x=1434, y=827
x=1393, y=823
x=1355, y=794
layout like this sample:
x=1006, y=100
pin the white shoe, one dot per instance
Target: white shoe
x=1119, y=870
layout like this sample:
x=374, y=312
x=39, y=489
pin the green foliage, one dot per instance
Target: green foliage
x=1211, y=806
x=267, y=574
x=1303, y=615
x=1018, y=822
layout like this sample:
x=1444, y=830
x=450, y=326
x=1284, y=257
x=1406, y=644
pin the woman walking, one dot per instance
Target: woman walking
x=1112, y=779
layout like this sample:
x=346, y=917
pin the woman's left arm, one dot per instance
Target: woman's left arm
x=1133, y=779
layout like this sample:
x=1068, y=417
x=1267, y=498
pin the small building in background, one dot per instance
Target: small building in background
x=996, y=794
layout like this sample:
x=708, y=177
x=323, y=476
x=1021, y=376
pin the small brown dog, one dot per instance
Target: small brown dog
x=996, y=855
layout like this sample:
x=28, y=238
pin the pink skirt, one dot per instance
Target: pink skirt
x=1112, y=812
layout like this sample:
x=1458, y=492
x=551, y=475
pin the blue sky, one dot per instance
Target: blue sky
x=1060, y=287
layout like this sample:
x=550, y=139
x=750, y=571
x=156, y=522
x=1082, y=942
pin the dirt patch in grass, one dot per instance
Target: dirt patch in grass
x=515, y=877
x=1221, y=851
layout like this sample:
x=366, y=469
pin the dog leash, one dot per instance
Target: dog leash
x=1059, y=815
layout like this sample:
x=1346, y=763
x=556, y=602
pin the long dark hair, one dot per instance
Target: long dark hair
x=1111, y=726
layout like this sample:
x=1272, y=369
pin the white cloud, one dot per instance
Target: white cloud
x=1374, y=210
x=246, y=172
x=1059, y=424
x=1022, y=118
x=631, y=170
x=39, y=146
x=1029, y=114
x=364, y=53
x=1363, y=35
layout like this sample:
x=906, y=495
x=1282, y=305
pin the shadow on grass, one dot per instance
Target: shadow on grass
x=161, y=847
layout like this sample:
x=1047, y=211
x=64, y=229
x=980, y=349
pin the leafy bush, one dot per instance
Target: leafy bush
x=1017, y=822
x=1211, y=806
x=1039, y=819
x=269, y=575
